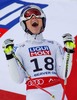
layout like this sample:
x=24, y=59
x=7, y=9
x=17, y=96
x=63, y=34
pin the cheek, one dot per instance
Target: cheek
x=28, y=24
x=41, y=23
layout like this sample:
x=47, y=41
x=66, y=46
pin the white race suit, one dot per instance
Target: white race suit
x=45, y=62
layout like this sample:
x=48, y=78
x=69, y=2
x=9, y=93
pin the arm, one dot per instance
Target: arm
x=64, y=60
x=61, y=58
x=15, y=69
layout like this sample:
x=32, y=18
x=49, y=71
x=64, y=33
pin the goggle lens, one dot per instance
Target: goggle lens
x=31, y=12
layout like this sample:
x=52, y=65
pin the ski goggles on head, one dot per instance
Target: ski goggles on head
x=29, y=13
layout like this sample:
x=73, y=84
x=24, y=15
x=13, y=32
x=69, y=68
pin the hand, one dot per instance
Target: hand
x=69, y=42
x=8, y=46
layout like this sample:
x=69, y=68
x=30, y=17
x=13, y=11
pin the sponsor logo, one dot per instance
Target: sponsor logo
x=39, y=51
x=36, y=81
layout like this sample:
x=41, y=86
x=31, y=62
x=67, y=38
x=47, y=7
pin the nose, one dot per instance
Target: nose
x=34, y=16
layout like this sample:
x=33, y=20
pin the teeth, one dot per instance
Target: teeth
x=34, y=21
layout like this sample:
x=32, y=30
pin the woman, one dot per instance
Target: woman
x=39, y=61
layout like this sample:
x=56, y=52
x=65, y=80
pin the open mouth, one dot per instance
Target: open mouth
x=35, y=24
